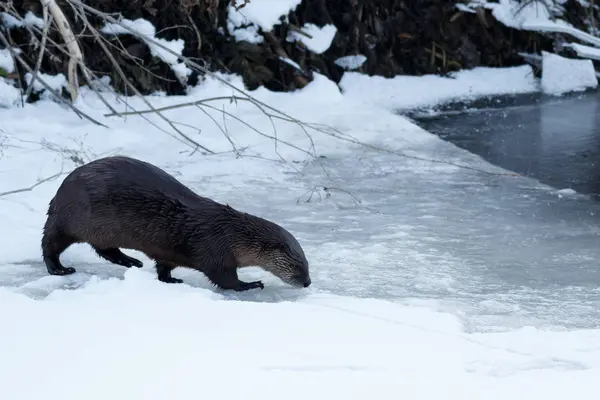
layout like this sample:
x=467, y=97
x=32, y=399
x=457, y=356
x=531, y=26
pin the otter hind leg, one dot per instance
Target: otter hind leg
x=227, y=279
x=163, y=270
x=53, y=245
x=116, y=256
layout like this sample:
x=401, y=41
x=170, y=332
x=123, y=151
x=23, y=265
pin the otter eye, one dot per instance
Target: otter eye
x=274, y=246
x=279, y=246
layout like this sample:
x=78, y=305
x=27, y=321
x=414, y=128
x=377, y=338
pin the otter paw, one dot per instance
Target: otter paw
x=243, y=286
x=131, y=262
x=62, y=271
x=170, y=280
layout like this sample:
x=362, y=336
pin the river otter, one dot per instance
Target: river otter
x=120, y=202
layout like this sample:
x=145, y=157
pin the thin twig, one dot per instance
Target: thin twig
x=30, y=188
x=47, y=22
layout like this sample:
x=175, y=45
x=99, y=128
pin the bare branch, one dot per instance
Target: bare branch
x=46, y=86
x=99, y=40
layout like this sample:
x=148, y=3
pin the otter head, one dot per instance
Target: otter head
x=277, y=251
x=286, y=261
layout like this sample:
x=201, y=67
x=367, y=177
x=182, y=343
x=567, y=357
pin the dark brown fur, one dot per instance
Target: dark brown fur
x=120, y=202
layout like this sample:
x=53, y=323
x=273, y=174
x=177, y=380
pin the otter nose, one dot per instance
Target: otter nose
x=307, y=282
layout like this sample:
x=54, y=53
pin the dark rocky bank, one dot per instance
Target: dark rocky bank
x=398, y=37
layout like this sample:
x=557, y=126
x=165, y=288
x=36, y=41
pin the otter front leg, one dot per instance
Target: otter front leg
x=163, y=269
x=227, y=279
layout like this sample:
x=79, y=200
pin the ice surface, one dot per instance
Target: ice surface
x=561, y=75
x=406, y=284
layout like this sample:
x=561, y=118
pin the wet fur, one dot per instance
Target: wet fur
x=120, y=202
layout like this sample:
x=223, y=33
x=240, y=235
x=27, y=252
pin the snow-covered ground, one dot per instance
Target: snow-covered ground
x=401, y=299
x=414, y=292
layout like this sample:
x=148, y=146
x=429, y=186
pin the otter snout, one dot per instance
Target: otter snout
x=302, y=280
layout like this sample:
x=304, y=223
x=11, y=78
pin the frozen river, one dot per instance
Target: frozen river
x=500, y=252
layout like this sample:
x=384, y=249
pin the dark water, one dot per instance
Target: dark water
x=554, y=140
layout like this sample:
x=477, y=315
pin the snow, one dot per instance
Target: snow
x=265, y=14
x=245, y=22
x=56, y=82
x=146, y=30
x=6, y=61
x=320, y=37
x=9, y=94
x=351, y=62
x=514, y=14
x=537, y=16
x=465, y=8
x=561, y=75
x=291, y=62
x=30, y=20
x=148, y=340
x=402, y=92
x=107, y=329
x=585, y=51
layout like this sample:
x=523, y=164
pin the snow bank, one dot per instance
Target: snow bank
x=561, y=75
x=403, y=92
x=146, y=340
